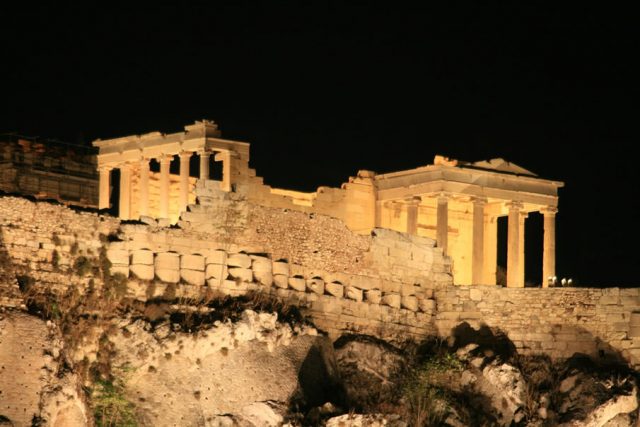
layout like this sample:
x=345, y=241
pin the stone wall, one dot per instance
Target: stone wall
x=554, y=321
x=387, y=283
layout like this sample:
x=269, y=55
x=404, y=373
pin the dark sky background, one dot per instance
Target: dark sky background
x=322, y=89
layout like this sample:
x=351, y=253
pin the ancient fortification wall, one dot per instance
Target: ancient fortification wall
x=387, y=283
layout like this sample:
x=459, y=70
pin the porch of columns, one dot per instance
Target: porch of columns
x=442, y=222
x=549, y=245
x=412, y=214
x=104, y=187
x=514, y=245
x=478, y=243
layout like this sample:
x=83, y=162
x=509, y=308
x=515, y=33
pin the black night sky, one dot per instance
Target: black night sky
x=322, y=89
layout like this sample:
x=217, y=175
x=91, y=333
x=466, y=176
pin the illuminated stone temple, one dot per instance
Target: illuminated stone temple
x=453, y=202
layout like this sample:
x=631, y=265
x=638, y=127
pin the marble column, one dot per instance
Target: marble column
x=204, y=164
x=513, y=245
x=549, y=245
x=521, y=253
x=184, y=181
x=125, y=192
x=477, y=263
x=442, y=227
x=165, y=162
x=412, y=215
x=378, y=214
x=144, y=187
x=225, y=157
x=104, y=187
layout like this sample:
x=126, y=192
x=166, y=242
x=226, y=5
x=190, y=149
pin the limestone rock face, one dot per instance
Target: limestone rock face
x=369, y=420
x=367, y=366
x=230, y=370
x=32, y=381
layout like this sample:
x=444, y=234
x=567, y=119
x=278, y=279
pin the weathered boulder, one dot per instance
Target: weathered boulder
x=241, y=371
x=368, y=367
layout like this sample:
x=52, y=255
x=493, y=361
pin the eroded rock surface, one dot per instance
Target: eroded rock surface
x=247, y=370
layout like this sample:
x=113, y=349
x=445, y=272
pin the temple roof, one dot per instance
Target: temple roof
x=501, y=165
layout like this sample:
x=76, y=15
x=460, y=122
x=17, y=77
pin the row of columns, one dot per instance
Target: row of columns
x=126, y=171
x=515, y=238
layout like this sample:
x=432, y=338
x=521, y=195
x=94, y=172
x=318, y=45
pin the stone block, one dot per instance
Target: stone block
x=281, y=267
x=335, y=289
x=409, y=302
x=281, y=281
x=233, y=287
x=263, y=277
x=216, y=257
x=364, y=282
x=243, y=274
x=389, y=286
x=239, y=260
x=118, y=256
x=261, y=263
x=192, y=262
x=408, y=289
x=353, y=293
x=143, y=272
x=167, y=261
x=168, y=275
x=316, y=285
x=475, y=294
x=142, y=257
x=392, y=300
x=297, y=283
x=192, y=277
x=216, y=271
x=374, y=296
x=214, y=282
x=427, y=305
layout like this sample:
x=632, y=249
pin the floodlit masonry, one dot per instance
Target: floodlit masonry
x=456, y=203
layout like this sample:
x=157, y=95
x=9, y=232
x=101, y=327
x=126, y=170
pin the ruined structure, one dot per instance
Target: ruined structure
x=379, y=256
x=456, y=203
x=48, y=169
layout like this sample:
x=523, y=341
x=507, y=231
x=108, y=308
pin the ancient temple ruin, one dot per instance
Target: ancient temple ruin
x=456, y=203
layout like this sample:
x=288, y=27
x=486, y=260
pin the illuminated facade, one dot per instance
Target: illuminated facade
x=456, y=203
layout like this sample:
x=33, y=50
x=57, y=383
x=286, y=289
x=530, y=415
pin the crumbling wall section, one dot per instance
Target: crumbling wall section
x=601, y=323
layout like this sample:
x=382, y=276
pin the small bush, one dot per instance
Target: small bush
x=82, y=266
x=110, y=406
x=55, y=259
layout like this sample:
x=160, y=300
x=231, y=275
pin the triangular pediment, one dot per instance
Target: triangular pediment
x=501, y=165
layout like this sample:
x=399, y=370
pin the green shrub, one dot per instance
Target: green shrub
x=55, y=259
x=82, y=266
x=110, y=406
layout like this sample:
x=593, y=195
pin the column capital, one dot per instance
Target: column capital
x=185, y=155
x=443, y=197
x=514, y=205
x=481, y=201
x=105, y=168
x=125, y=165
x=164, y=158
x=549, y=211
x=415, y=200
